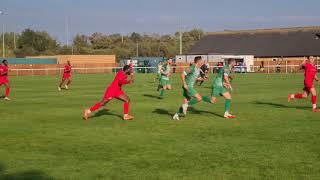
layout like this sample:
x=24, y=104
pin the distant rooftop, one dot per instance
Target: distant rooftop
x=296, y=41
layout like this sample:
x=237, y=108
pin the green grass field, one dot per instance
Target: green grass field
x=43, y=135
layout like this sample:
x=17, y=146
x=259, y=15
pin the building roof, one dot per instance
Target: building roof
x=289, y=42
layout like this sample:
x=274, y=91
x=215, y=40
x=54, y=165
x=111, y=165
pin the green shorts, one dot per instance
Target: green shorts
x=218, y=91
x=164, y=82
x=191, y=92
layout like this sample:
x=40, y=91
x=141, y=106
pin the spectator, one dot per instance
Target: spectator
x=278, y=67
x=262, y=66
x=174, y=66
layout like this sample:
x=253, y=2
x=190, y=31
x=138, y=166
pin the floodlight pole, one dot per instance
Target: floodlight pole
x=3, y=49
x=137, y=49
x=3, y=29
x=67, y=31
x=14, y=41
x=180, y=34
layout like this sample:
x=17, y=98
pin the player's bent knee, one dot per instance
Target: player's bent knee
x=214, y=100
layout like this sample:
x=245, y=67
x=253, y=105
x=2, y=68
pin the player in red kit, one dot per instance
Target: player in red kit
x=310, y=75
x=114, y=91
x=66, y=76
x=4, y=69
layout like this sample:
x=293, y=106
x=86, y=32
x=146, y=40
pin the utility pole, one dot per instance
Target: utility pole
x=14, y=41
x=3, y=32
x=3, y=49
x=180, y=33
x=137, y=49
x=67, y=31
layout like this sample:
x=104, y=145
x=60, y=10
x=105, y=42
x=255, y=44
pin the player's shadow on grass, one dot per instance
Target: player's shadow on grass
x=276, y=105
x=151, y=96
x=24, y=175
x=162, y=112
x=190, y=110
x=195, y=111
x=105, y=112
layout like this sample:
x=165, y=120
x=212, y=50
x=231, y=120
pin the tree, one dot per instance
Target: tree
x=136, y=37
x=36, y=42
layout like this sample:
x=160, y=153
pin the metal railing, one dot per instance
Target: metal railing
x=177, y=69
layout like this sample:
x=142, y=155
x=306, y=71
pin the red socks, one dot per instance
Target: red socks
x=126, y=108
x=96, y=107
x=7, y=92
x=298, y=96
x=314, y=99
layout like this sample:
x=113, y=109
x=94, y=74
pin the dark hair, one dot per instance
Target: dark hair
x=197, y=58
x=231, y=60
x=126, y=67
x=4, y=61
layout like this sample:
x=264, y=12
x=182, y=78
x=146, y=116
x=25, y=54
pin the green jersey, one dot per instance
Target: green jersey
x=192, y=76
x=165, y=70
x=225, y=71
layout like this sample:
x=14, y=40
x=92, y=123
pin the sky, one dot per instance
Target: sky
x=154, y=16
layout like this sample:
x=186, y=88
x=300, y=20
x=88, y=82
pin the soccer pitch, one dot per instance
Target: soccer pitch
x=43, y=135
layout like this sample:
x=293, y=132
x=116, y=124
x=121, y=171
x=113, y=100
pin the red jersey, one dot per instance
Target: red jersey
x=119, y=80
x=4, y=71
x=310, y=72
x=67, y=69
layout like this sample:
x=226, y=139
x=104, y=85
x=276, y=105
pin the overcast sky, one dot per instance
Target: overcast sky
x=155, y=16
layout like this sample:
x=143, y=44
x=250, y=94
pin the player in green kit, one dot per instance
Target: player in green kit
x=222, y=87
x=164, y=82
x=191, y=96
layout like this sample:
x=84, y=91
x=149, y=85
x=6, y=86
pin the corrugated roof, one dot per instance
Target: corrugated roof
x=298, y=41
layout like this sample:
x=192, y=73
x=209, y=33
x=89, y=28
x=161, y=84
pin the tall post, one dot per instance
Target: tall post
x=67, y=31
x=3, y=49
x=137, y=49
x=14, y=41
x=180, y=33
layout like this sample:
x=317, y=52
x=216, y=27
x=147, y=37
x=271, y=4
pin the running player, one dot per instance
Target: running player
x=222, y=87
x=310, y=74
x=191, y=96
x=115, y=91
x=204, y=70
x=159, y=67
x=131, y=69
x=4, y=69
x=66, y=76
x=165, y=83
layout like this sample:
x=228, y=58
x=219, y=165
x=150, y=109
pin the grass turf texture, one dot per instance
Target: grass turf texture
x=43, y=135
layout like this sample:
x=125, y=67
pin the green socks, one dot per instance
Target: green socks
x=227, y=105
x=206, y=99
x=161, y=93
x=193, y=101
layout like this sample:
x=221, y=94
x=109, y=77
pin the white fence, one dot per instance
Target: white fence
x=104, y=70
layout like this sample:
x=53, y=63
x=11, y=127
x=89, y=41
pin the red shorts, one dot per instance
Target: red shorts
x=112, y=93
x=307, y=87
x=66, y=76
x=4, y=80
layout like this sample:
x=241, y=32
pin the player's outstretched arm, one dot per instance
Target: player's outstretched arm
x=303, y=64
x=183, y=79
x=316, y=78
